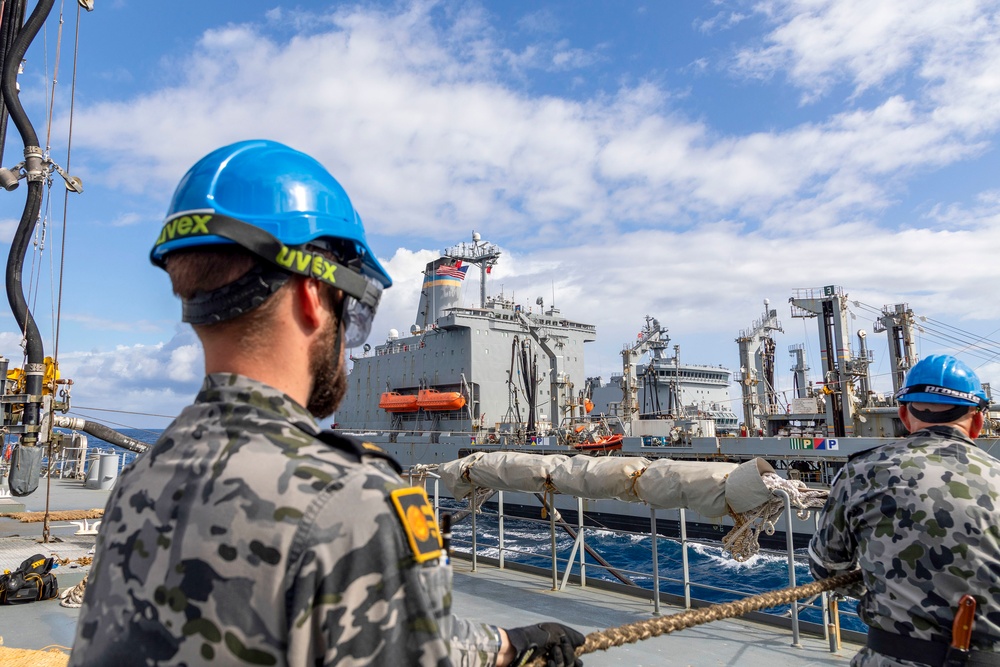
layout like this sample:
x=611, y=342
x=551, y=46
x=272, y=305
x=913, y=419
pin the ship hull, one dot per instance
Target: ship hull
x=783, y=453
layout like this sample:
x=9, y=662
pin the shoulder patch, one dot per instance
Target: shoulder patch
x=417, y=516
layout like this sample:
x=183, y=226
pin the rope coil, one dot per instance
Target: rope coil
x=631, y=633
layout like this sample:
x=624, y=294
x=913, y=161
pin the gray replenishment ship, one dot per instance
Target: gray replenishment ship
x=504, y=376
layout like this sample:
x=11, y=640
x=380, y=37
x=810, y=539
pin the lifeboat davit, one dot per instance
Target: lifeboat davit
x=608, y=443
x=393, y=401
x=432, y=399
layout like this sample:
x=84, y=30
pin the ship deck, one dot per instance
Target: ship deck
x=506, y=597
x=38, y=625
x=511, y=598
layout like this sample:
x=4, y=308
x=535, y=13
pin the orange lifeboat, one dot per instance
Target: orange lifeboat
x=393, y=401
x=608, y=443
x=432, y=399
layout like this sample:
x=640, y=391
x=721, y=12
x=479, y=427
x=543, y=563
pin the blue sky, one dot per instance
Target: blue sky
x=684, y=160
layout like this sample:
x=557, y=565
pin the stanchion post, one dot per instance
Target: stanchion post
x=656, y=561
x=437, y=500
x=503, y=545
x=686, y=569
x=552, y=536
x=473, y=506
x=583, y=543
x=790, y=546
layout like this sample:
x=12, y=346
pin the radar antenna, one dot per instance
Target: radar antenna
x=481, y=253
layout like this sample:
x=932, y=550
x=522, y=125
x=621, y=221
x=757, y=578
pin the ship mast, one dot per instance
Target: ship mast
x=481, y=253
x=830, y=307
x=897, y=322
x=756, y=378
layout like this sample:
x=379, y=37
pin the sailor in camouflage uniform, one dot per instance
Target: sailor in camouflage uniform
x=920, y=518
x=248, y=536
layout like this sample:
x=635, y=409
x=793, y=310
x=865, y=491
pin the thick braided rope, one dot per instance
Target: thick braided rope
x=631, y=633
x=742, y=541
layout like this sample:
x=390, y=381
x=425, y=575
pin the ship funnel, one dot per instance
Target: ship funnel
x=442, y=289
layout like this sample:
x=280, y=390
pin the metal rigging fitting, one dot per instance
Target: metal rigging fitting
x=40, y=169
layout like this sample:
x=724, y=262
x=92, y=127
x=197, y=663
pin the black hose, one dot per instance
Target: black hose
x=103, y=432
x=114, y=437
x=10, y=25
x=11, y=64
x=34, y=348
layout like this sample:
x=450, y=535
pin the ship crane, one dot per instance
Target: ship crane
x=653, y=338
x=829, y=305
x=756, y=378
x=897, y=322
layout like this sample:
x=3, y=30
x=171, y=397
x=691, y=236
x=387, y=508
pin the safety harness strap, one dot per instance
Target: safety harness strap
x=923, y=651
x=232, y=300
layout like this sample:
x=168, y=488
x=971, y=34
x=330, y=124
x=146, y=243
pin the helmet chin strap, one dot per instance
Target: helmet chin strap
x=339, y=341
x=238, y=297
x=953, y=413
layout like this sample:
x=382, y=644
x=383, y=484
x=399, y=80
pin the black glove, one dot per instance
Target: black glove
x=554, y=641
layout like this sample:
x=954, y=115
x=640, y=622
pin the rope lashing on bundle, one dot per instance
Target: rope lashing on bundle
x=743, y=541
x=631, y=633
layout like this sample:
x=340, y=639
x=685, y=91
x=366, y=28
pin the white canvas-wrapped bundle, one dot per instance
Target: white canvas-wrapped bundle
x=694, y=485
x=503, y=471
x=704, y=487
x=603, y=477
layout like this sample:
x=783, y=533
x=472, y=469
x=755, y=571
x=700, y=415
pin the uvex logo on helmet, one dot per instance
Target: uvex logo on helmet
x=300, y=261
x=185, y=225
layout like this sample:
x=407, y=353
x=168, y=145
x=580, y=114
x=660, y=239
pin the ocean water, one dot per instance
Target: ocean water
x=528, y=541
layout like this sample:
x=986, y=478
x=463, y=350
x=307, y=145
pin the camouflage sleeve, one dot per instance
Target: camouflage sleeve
x=469, y=643
x=833, y=548
x=355, y=593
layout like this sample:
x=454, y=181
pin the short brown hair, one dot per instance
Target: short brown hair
x=206, y=269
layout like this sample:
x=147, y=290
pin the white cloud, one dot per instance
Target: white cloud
x=426, y=136
x=158, y=379
x=868, y=44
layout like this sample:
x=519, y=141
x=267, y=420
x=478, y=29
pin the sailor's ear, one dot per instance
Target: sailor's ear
x=904, y=416
x=311, y=301
x=976, y=427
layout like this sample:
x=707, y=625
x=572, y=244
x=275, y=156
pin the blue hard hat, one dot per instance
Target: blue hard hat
x=941, y=378
x=275, y=188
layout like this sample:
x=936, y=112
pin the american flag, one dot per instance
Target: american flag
x=452, y=271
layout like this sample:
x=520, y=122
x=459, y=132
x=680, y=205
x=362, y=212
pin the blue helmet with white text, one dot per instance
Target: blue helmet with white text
x=941, y=378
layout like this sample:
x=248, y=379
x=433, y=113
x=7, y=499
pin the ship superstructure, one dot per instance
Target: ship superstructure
x=519, y=369
x=657, y=395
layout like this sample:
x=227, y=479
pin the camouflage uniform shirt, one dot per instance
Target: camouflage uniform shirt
x=919, y=517
x=242, y=539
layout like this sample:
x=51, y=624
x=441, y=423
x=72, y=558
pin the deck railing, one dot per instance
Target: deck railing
x=561, y=569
